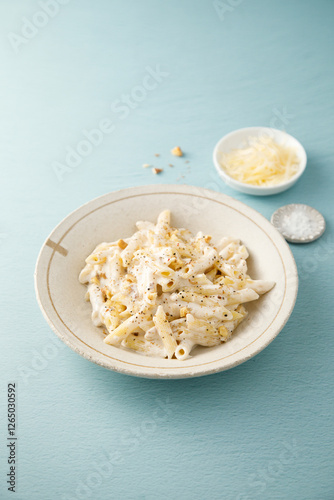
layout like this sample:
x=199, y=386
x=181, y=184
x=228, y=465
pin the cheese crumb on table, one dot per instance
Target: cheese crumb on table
x=177, y=151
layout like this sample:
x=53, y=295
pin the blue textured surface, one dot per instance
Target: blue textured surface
x=263, y=430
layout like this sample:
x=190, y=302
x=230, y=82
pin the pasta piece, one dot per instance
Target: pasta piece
x=183, y=349
x=242, y=296
x=164, y=330
x=227, y=328
x=201, y=332
x=96, y=299
x=163, y=220
x=140, y=344
x=260, y=286
x=200, y=265
x=133, y=244
x=123, y=330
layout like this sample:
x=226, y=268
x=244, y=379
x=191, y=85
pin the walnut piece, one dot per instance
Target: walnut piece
x=157, y=170
x=122, y=244
x=177, y=151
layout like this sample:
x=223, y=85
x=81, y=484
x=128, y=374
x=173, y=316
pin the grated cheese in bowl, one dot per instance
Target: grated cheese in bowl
x=263, y=162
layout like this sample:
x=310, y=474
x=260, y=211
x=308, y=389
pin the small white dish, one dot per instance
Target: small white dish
x=239, y=139
x=299, y=223
x=112, y=216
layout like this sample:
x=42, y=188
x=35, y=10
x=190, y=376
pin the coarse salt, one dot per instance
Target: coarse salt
x=298, y=224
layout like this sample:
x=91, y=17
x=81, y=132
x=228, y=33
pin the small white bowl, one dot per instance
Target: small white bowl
x=239, y=139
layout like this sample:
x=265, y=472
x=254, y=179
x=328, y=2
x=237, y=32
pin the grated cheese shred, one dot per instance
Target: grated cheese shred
x=262, y=163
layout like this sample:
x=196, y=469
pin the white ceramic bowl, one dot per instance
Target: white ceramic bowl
x=239, y=139
x=112, y=216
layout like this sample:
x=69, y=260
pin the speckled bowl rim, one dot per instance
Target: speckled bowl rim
x=66, y=334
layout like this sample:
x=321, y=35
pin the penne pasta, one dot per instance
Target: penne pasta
x=165, y=331
x=163, y=291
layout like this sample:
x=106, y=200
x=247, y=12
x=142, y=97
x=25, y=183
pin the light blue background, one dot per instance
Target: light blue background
x=225, y=436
